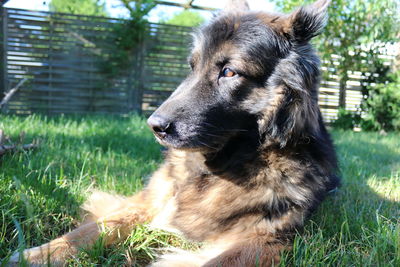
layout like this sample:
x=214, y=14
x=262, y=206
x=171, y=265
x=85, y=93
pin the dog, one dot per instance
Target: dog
x=248, y=158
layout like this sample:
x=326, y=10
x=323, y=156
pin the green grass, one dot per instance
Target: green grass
x=360, y=224
x=41, y=190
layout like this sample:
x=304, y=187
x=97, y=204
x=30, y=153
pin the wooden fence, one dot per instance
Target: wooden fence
x=62, y=55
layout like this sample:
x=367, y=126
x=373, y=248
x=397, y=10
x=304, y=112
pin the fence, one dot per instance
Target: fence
x=62, y=55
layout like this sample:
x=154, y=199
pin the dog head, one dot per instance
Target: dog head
x=252, y=73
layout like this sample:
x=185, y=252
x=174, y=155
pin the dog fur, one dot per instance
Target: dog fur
x=248, y=156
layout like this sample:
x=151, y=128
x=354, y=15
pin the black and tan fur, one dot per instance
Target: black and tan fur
x=248, y=157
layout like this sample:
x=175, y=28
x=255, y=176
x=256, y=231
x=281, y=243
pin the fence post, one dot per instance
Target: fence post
x=3, y=51
x=139, y=74
x=342, y=91
x=131, y=84
x=134, y=81
x=142, y=54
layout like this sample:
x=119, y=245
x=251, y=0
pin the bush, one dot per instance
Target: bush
x=346, y=120
x=382, y=107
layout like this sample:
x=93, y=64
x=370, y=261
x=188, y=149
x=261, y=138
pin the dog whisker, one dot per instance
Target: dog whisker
x=206, y=145
x=212, y=135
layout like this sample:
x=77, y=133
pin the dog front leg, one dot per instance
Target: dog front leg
x=113, y=227
x=260, y=251
x=112, y=215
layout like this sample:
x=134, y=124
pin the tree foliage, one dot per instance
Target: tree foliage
x=138, y=9
x=79, y=7
x=382, y=107
x=186, y=18
x=129, y=34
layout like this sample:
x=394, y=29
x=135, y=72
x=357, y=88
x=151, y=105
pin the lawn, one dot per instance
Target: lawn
x=41, y=190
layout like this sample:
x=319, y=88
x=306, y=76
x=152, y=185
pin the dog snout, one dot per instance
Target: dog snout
x=159, y=125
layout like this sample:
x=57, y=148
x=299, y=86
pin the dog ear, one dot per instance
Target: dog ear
x=308, y=21
x=292, y=114
x=296, y=120
x=236, y=6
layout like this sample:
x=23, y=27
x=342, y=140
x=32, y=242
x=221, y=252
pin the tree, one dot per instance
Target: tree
x=357, y=31
x=80, y=7
x=138, y=9
x=185, y=18
x=129, y=34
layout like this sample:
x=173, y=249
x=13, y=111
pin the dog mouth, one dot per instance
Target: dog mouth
x=197, y=134
x=160, y=140
x=193, y=143
x=189, y=137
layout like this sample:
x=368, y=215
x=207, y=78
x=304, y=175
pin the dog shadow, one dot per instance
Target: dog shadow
x=368, y=198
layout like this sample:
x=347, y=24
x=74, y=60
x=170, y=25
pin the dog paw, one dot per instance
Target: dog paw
x=14, y=260
x=33, y=257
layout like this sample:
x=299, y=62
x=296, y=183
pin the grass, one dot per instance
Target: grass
x=41, y=190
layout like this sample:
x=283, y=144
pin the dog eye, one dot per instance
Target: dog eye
x=191, y=64
x=227, y=72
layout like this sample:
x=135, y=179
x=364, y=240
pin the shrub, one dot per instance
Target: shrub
x=346, y=120
x=382, y=107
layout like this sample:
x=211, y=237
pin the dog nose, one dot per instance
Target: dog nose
x=159, y=125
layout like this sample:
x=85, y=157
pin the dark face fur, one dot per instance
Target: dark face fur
x=254, y=77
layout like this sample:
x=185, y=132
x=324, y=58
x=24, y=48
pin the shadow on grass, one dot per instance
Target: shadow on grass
x=135, y=145
x=356, y=226
x=362, y=162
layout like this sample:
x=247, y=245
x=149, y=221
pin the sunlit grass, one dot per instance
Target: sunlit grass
x=41, y=191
